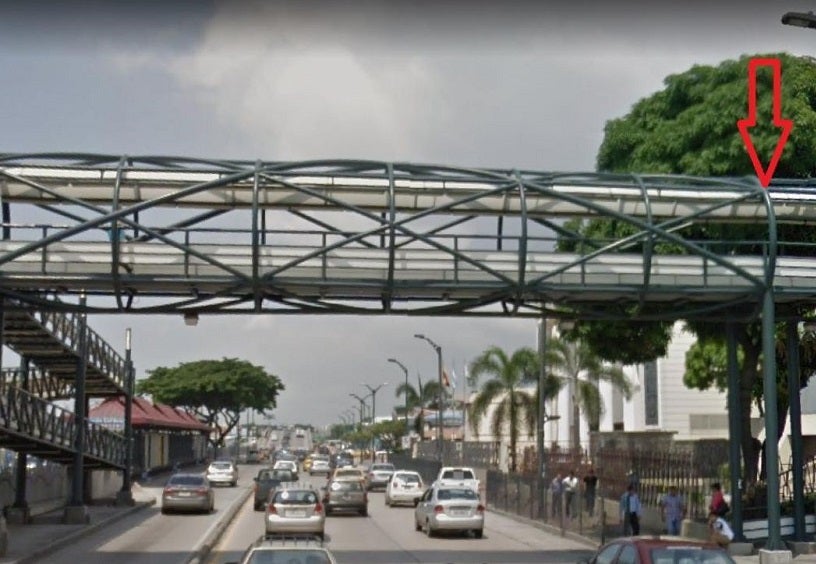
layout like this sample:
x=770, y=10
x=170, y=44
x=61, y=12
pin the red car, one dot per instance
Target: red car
x=660, y=550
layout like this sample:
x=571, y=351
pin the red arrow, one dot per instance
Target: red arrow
x=784, y=124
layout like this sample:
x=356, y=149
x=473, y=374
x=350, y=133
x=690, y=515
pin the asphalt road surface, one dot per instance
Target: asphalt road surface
x=387, y=535
x=147, y=536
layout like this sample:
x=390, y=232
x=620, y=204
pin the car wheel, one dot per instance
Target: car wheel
x=364, y=512
x=478, y=533
x=164, y=511
x=428, y=530
x=387, y=502
x=417, y=526
x=234, y=483
x=328, y=512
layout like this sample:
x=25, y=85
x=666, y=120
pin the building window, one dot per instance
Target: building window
x=650, y=395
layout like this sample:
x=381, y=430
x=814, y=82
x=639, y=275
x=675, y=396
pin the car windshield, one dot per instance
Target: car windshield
x=186, y=481
x=221, y=465
x=456, y=493
x=408, y=478
x=386, y=467
x=457, y=475
x=346, y=473
x=346, y=486
x=284, y=556
x=282, y=475
x=295, y=496
x=689, y=555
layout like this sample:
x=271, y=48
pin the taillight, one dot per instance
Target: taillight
x=480, y=508
x=201, y=491
x=439, y=509
x=271, y=508
x=318, y=508
x=169, y=490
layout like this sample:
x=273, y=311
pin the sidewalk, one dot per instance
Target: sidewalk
x=46, y=533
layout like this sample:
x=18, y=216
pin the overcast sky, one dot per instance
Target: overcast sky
x=482, y=84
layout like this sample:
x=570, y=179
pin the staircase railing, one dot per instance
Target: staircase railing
x=40, y=383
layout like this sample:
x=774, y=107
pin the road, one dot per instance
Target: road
x=388, y=536
x=147, y=536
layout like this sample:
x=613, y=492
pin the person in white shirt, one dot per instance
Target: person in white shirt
x=721, y=532
x=570, y=487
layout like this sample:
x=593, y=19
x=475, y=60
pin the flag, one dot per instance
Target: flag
x=445, y=378
x=453, y=380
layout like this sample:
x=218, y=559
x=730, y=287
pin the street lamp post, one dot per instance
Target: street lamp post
x=439, y=413
x=405, y=370
x=373, y=391
x=362, y=407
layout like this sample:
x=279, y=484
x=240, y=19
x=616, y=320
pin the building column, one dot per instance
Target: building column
x=734, y=430
x=19, y=513
x=76, y=512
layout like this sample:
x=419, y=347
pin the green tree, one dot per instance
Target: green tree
x=423, y=396
x=217, y=391
x=689, y=127
x=568, y=361
x=507, y=392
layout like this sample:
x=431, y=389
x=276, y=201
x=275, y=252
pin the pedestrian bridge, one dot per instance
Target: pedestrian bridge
x=169, y=235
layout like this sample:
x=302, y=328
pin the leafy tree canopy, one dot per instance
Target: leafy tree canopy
x=689, y=127
x=216, y=390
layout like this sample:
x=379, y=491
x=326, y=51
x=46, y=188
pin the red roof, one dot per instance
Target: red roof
x=147, y=414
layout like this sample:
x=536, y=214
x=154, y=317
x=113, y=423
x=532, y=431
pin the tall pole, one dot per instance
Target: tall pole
x=795, y=415
x=125, y=497
x=771, y=425
x=439, y=404
x=405, y=370
x=734, y=429
x=373, y=391
x=542, y=374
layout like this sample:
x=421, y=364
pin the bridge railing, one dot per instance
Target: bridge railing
x=101, y=357
x=40, y=383
x=29, y=417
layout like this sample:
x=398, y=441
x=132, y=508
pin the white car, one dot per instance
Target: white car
x=222, y=472
x=320, y=466
x=405, y=486
x=290, y=465
x=449, y=508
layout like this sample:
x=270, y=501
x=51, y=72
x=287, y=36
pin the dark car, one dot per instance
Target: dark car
x=660, y=550
x=267, y=481
x=188, y=492
x=346, y=495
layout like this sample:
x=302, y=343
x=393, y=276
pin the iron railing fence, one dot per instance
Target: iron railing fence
x=40, y=383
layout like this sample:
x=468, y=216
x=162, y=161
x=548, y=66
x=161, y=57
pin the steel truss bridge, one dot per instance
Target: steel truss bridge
x=84, y=233
x=172, y=235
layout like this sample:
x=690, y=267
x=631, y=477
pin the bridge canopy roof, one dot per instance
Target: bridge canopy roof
x=146, y=414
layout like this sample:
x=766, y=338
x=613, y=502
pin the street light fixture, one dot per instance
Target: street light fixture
x=362, y=407
x=800, y=19
x=439, y=411
x=405, y=370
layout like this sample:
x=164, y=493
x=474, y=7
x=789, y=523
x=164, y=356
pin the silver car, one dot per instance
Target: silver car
x=285, y=550
x=188, y=492
x=294, y=510
x=379, y=475
x=405, y=486
x=223, y=472
x=449, y=508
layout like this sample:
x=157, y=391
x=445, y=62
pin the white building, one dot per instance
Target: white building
x=660, y=402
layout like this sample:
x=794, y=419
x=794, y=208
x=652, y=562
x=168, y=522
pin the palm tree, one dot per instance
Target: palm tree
x=567, y=361
x=514, y=405
x=421, y=397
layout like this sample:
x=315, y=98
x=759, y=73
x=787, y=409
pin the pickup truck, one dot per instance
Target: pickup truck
x=458, y=476
x=268, y=480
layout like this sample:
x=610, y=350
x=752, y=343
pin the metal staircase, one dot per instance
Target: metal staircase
x=38, y=427
x=50, y=340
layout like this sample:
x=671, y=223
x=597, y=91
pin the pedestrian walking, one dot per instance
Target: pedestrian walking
x=630, y=511
x=556, y=490
x=590, y=488
x=570, y=487
x=673, y=511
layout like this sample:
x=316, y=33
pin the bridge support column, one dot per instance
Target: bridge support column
x=19, y=513
x=125, y=496
x=774, y=542
x=3, y=528
x=541, y=486
x=76, y=512
x=794, y=401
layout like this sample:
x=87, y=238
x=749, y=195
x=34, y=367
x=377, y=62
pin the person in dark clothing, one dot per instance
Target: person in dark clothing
x=590, y=487
x=630, y=511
